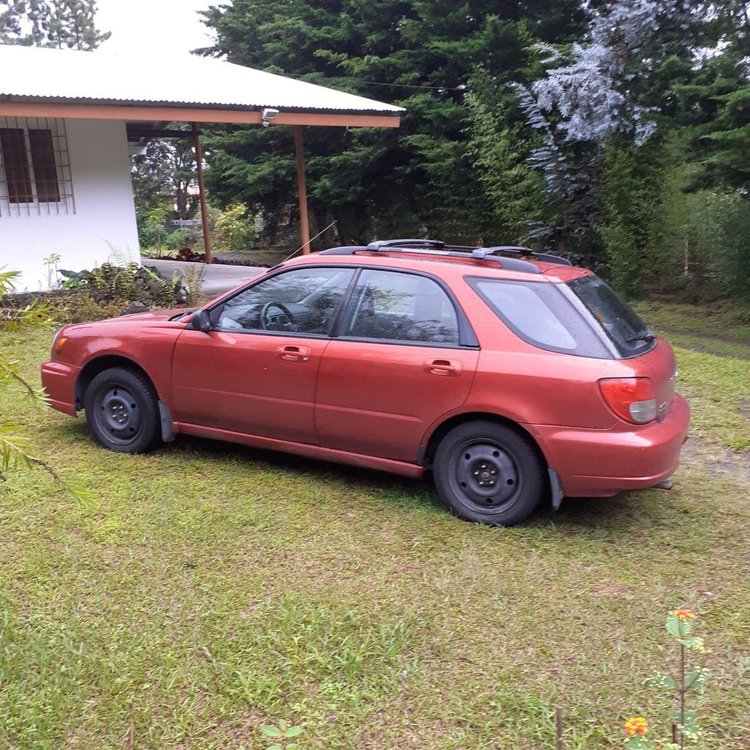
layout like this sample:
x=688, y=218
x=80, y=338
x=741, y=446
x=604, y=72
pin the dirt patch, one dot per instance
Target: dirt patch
x=721, y=463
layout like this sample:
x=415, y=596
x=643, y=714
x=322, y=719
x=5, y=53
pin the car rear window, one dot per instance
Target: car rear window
x=622, y=326
x=540, y=315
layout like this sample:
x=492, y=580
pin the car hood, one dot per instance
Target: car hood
x=139, y=320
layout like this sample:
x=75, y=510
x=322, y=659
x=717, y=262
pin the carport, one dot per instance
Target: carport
x=47, y=86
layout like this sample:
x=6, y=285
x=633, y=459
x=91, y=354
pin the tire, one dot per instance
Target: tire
x=122, y=411
x=489, y=473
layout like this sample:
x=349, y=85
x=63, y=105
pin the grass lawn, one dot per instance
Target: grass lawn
x=214, y=589
x=716, y=329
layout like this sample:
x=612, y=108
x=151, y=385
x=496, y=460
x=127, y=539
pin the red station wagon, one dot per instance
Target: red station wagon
x=508, y=375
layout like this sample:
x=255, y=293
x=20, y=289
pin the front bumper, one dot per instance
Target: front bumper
x=601, y=463
x=59, y=381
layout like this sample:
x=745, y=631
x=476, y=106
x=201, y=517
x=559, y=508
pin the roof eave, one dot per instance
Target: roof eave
x=87, y=109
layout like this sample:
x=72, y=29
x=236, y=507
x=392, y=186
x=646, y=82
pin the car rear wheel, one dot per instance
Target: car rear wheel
x=489, y=473
x=122, y=411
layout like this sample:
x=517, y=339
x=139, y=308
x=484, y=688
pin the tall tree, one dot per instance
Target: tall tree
x=50, y=23
x=166, y=175
x=416, y=53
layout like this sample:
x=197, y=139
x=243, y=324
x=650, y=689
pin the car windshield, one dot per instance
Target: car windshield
x=629, y=334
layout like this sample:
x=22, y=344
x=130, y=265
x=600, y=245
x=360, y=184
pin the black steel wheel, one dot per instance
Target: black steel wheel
x=122, y=411
x=489, y=473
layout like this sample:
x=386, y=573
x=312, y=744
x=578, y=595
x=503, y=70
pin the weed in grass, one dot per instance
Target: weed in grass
x=281, y=733
x=684, y=684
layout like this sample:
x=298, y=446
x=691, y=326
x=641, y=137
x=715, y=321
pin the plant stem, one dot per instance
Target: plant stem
x=682, y=696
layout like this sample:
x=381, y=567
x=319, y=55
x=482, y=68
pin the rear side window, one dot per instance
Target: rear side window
x=395, y=306
x=630, y=335
x=540, y=315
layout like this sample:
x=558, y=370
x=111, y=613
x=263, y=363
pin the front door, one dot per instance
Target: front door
x=255, y=372
x=397, y=366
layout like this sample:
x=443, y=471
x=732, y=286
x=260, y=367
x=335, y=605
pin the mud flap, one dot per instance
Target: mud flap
x=556, y=490
x=167, y=427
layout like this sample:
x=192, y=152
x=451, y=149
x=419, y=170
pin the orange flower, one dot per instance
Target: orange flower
x=636, y=725
x=684, y=614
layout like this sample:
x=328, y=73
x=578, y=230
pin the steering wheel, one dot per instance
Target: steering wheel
x=265, y=314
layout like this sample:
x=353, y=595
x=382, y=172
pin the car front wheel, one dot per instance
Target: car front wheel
x=122, y=411
x=489, y=473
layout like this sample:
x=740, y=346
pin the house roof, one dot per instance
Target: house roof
x=76, y=81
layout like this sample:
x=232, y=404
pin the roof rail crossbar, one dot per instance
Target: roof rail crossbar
x=526, y=252
x=385, y=244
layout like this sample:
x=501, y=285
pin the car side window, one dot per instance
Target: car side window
x=302, y=300
x=540, y=314
x=400, y=307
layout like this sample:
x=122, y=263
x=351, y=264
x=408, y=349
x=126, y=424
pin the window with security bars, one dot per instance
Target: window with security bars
x=35, y=176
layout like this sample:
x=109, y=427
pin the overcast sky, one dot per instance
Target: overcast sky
x=156, y=26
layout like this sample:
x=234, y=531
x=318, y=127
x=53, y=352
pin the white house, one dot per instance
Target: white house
x=65, y=120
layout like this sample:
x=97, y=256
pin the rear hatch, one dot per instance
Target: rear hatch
x=627, y=336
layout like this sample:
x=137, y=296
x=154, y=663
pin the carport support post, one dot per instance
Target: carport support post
x=202, y=192
x=304, y=222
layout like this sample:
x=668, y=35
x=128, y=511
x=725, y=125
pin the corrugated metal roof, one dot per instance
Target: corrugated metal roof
x=40, y=74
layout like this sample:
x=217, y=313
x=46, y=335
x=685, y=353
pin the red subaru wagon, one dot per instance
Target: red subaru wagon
x=508, y=375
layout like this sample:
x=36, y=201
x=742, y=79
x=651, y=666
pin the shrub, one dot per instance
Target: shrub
x=130, y=283
x=235, y=230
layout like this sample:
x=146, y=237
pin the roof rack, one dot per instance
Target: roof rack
x=438, y=247
x=481, y=252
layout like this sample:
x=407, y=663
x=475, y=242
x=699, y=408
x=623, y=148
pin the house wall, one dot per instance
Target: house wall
x=103, y=217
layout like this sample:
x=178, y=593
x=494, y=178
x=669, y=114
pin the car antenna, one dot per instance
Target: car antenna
x=332, y=224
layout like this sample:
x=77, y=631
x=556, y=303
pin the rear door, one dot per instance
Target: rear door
x=397, y=365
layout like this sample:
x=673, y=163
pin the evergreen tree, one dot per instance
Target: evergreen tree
x=50, y=23
x=418, y=54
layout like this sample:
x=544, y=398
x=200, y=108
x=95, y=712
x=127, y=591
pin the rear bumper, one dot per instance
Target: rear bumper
x=59, y=381
x=601, y=463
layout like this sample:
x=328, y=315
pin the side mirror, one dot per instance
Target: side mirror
x=201, y=321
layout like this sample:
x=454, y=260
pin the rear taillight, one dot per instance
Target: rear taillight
x=632, y=399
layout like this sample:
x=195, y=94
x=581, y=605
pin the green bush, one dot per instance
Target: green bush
x=106, y=290
x=235, y=229
x=180, y=238
x=81, y=307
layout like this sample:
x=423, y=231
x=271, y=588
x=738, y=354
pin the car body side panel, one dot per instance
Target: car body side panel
x=350, y=458
x=254, y=383
x=378, y=398
x=542, y=388
x=151, y=349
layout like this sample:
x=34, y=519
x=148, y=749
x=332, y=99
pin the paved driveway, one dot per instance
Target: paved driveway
x=217, y=278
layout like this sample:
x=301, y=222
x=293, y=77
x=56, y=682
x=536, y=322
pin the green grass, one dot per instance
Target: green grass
x=720, y=329
x=214, y=589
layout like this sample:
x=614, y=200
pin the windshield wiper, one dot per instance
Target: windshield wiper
x=645, y=336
